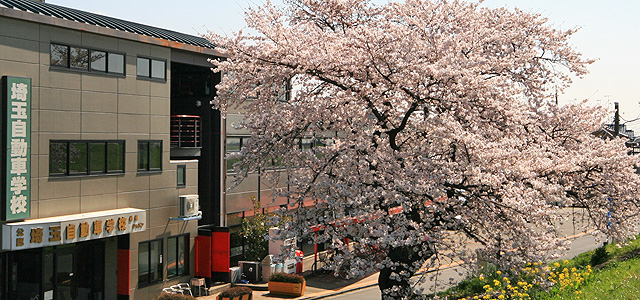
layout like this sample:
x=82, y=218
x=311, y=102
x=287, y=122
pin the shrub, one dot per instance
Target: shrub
x=166, y=296
x=599, y=256
x=253, y=231
x=286, y=277
x=236, y=291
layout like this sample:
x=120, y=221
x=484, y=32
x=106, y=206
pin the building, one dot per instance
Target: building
x=107, y=124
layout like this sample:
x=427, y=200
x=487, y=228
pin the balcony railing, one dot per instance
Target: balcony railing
x=185, y=131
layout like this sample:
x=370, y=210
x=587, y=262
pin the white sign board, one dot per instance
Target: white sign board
x=69, y=229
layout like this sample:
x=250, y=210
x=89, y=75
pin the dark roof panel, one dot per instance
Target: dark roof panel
x=66, y=13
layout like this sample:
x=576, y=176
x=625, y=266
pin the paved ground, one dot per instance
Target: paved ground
x=316, y=287
x=328, y=286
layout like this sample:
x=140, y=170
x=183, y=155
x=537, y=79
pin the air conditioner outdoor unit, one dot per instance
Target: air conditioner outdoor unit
x=189, y=205
x=251, y=270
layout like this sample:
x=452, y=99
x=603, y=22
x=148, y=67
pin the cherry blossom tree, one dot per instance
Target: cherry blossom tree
x=427, y=127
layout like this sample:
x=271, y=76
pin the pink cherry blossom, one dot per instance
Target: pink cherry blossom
x=436, y=131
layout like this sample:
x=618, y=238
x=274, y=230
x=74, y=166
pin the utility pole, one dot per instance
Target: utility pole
x=616, y=120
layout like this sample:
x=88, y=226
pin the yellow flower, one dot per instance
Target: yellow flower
x=498, y=272
x=481, y=277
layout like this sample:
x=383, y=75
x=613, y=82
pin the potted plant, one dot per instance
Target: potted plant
x=287, y=284
x=236, y=293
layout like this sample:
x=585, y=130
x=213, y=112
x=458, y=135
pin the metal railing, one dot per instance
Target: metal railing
x=185, y=131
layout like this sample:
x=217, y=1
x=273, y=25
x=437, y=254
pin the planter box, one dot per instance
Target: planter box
x=287, y=288
x=243, y=297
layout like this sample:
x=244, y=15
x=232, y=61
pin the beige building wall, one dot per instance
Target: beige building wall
x=74, y=105
x=237, y=198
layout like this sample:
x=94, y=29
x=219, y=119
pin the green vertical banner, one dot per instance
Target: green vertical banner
x=17, y=148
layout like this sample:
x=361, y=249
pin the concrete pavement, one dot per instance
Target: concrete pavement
x=328, y=286
x=317, y=287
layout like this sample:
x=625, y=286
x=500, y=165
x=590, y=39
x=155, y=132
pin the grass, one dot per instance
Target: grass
x=610, y=272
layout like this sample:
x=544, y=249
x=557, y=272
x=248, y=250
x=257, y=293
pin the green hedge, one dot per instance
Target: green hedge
x=236, y=291
x=166, y=296
x=286, y=277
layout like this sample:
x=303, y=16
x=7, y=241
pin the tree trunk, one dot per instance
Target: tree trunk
x=403, y=259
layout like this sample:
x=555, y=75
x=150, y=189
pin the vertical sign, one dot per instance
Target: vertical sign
x=17, y=148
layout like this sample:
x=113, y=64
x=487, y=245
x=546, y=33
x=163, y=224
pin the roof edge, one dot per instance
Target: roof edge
x=47, y=20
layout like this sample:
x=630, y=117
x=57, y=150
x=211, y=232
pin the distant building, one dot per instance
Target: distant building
x=615, y=129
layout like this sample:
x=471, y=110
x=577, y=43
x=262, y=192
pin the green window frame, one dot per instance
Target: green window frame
x=149, y=155
x=82, y=157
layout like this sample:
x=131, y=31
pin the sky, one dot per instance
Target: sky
x=609, y=32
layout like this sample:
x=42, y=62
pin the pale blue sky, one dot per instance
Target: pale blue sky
x=610, y=33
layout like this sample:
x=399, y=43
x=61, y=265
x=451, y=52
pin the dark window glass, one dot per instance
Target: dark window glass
x=307, y=143
x=143, y=67
x=178, y=255
x=98, y=157
x=79, y=58
x=98, y=61
x=116, y=63
x=58, y=158
x=143, y=156
x=60, y=55
x=85, y=157
x=155, y=259
x=150, y=262
x=115, y=157
x=155, y=155
x=24, y=273
x=149, y=155
x=172, y=263
x=77, y=158
x=182, y=175
x=143, y=263
x=157, y=69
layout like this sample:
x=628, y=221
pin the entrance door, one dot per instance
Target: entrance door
x=76, y=271
x=65, y=280
x=89, y=271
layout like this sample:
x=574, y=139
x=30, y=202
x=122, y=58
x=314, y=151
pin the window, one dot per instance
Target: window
x=306, y=143
x=79, y=58
x=234, y=144
x=99, y=61
x=59, y=55
x=87, y=59
x=149, y=155
x=116, y=63
x=177, y=256
x=182, y=176
x=74, y=158
x=151, y=68
x=150, y=262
